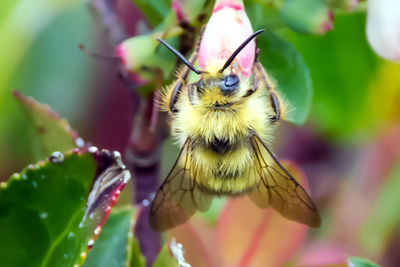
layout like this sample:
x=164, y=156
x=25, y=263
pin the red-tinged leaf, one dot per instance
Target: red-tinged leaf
x=43, y=221
x=355, y=204
x=117, y=245
x=197, y=238
x=51, y=133
x=111, y=178
x=249, y=236
x=321, y=253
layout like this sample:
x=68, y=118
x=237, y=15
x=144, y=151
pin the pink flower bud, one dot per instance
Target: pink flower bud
x=383, y=28
x=227, y=28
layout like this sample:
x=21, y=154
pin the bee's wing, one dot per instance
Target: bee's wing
x=179, y=197
x=279, y=189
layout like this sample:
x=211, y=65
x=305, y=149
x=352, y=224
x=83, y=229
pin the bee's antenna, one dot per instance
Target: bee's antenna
x=180, y=56
x=237, y=51
x=96, y=55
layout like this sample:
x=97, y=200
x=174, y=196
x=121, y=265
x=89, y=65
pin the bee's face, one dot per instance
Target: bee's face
x=227, y=85
x=217, y=89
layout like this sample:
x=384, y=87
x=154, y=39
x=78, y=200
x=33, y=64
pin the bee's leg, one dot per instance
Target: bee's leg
x=183, y=75
x=261, y=78
x=180, y=82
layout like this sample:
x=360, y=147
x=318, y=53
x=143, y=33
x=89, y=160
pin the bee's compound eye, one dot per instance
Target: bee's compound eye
x=231, y=80
x=200, y=86
x=230, y=84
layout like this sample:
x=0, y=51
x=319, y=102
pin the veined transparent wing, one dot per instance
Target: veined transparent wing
x=279, y=189
x=179, y=196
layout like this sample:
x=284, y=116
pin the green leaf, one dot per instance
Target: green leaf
x=360, y=262
x=165, y=258
x=307, y=16
x=51, y=133
x=116, y=245
x=384, y=218
x=154, y=10
x=264, y=15
x=44, y=217
x=136, y=259
x=45, y=63
x=342, y=65
x=286, y=66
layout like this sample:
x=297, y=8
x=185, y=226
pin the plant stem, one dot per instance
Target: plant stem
x=143, y=151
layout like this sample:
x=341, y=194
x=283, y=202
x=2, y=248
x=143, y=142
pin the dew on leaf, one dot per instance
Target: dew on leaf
x=57, y=157
x=16, y=175
x=90, y=244
x=93, y=149
x=145, y=202
x=97, y=230
x=79, y=142
x=70, y=235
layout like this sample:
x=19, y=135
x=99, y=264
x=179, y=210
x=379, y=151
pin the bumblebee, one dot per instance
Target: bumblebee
x=224, y=122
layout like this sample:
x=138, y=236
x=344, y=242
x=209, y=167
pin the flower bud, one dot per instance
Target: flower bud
x=308, y=16
x=135, y=51
x=227, y=28
x=383, y=28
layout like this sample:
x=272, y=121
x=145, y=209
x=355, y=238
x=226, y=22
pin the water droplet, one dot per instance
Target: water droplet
x=91, y=216
x=43, y=215
x=31, y=167
x=70, y=235
x=93, y=149
x=57, y=157
x=145, y=202
x=34, y=184
x=90, y=243
x=97, y=230
x=16, y=175
x=24, y=177
x=65, y=256
x=79, y=142
x=42, y=176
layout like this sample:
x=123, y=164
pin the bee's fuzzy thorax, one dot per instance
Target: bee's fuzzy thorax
x=234, y=124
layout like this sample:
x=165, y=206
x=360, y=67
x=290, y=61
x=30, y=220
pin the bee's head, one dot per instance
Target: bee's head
x=216, y=82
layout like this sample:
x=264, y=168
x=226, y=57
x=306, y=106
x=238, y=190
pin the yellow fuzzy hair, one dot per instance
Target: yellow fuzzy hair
x=198, y=121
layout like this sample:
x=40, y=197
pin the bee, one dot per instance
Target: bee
x=224, y=121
